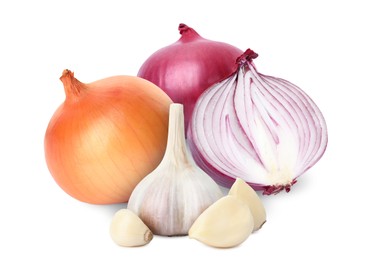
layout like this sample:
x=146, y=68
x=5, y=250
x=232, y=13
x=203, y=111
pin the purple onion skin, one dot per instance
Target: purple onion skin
x=187, y=67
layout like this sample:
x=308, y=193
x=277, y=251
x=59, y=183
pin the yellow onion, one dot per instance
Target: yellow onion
x=106, y=137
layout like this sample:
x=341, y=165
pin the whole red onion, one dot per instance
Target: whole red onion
x=187, y=67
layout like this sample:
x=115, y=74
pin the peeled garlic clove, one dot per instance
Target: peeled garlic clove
x=243, y=191
x=226, y=223
x=127, y=229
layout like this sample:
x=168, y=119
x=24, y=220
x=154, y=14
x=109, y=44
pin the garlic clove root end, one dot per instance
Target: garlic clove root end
x=128, y=230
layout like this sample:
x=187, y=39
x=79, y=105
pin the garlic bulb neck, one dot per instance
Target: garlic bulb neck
x=176, y=150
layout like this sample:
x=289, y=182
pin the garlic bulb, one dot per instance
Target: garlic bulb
x=127, y=229
x=226, y=223
x=243, y=191
x=170, y=198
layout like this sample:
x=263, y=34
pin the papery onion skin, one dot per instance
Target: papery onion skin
x=106, y=136
x=262, y=129
x=187, y=67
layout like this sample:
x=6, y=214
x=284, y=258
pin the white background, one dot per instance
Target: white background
x=322, y=46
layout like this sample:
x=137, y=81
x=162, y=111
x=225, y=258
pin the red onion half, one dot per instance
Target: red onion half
x=189, y=66
x=262, y=129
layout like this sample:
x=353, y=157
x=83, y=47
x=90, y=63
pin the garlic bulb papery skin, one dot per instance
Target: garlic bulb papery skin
x=262, y=129
x=244, y=192
x=169, y=199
